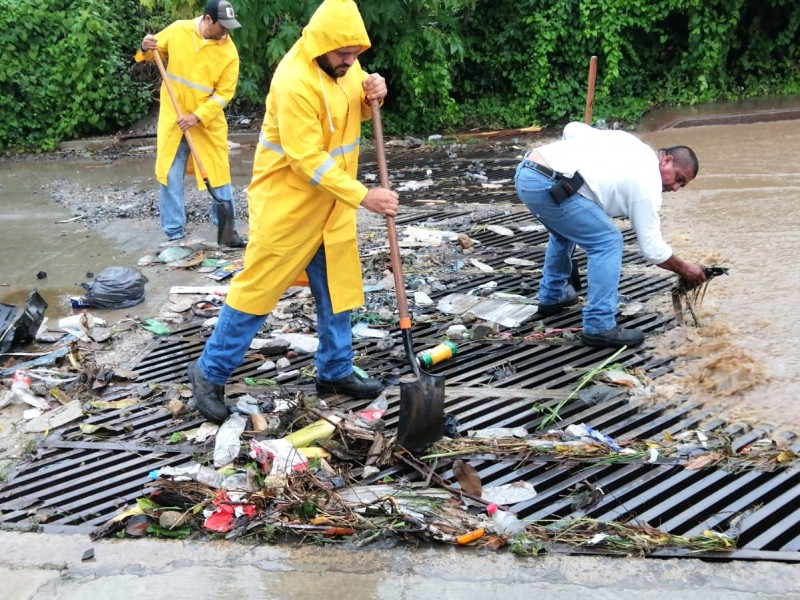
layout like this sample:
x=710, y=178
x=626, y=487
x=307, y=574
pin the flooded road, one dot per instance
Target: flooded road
x=42, y=236
x=741, y=212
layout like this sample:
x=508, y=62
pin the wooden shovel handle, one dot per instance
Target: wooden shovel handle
x=587, y=115
x=186, y=134
x=394, y=248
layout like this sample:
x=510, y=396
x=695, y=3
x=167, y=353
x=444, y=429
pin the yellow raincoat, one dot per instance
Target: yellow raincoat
x=304, y=191
x=203, y=75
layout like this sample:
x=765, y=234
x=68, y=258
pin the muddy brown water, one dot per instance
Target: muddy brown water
x=741, y=212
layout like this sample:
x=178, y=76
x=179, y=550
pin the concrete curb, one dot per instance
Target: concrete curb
x=245, y=138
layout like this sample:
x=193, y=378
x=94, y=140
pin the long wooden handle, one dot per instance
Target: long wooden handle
x=394, y=247
x=186, y=134
x=587, y=115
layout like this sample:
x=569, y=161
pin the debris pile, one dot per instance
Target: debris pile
x=329, y=480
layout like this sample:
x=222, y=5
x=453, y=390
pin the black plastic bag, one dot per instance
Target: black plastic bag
x=19, y=325
x=115, y=287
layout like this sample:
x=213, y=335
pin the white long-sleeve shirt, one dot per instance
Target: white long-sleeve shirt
x=621, y=174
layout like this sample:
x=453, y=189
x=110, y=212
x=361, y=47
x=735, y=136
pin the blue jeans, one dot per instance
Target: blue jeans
x=227, y=346
x=171, y=196
x=577, y=220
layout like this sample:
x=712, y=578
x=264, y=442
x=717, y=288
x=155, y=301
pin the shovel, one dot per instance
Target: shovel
x=421, y=420
x=575, y=274
x=223, y=208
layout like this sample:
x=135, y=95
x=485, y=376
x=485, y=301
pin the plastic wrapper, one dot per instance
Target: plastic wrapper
x=228, y=443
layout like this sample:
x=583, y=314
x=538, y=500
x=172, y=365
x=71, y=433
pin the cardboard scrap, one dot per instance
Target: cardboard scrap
x=56, y=417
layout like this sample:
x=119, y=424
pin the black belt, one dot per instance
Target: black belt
x=564, y=186
x=546, y=171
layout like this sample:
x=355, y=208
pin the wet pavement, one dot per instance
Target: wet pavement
x=720, y=217
x=38, y=567
x=44, y=236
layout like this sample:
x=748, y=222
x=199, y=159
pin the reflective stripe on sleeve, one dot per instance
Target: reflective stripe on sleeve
x=188, y=83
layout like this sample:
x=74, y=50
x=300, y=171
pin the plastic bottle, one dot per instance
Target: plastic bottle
x=310, y=434
x=443, y=351
x=21, y=391
x=505, y=522
x=375, y=409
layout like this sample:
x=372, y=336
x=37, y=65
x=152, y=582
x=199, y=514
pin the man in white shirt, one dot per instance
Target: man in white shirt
x=574, y=186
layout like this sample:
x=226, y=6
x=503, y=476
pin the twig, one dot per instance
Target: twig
x=690, y=306
x=441, y=482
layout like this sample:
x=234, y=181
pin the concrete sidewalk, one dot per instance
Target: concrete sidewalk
x=39, y=566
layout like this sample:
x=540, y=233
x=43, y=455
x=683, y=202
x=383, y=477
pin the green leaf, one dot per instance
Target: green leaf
x=178, y=533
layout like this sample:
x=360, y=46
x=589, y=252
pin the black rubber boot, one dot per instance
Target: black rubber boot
x=236, y=241
x=209, y=397
x=614, y=338
x=353, y=385
x=548, y=310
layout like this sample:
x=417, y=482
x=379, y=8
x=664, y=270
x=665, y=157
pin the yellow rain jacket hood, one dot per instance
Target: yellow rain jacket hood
x=203, y=75
x=304, y=191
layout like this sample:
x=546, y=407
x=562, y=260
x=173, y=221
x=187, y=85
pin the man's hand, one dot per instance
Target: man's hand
x=381, y=201
x=187, y=121
x=692, y=275
x=375, y=87
x=149, y=42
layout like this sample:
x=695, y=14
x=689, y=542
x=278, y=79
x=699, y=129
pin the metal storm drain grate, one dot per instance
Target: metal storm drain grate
x=73, y=484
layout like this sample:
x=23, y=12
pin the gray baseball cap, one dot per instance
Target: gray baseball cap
x=221, y=11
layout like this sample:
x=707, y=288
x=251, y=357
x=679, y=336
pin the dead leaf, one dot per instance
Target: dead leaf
x=495, y=542
x=622, y=378
x=702, y=461
x=468, y=478
x=137, y=526
x=89, y=429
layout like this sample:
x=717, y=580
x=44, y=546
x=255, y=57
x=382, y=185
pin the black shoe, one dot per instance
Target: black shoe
x=353, y=385
x=209, y=397
x=614, y=338
x=548, y=310
x=236, y=241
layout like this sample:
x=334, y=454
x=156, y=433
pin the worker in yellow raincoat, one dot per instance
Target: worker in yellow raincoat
x=203, y=69
x=302, y=207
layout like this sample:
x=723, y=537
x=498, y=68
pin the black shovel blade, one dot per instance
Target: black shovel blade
x=225, y=222
x=421, y=421
x=224, y=210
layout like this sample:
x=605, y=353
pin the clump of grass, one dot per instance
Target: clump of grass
x=553, y=414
